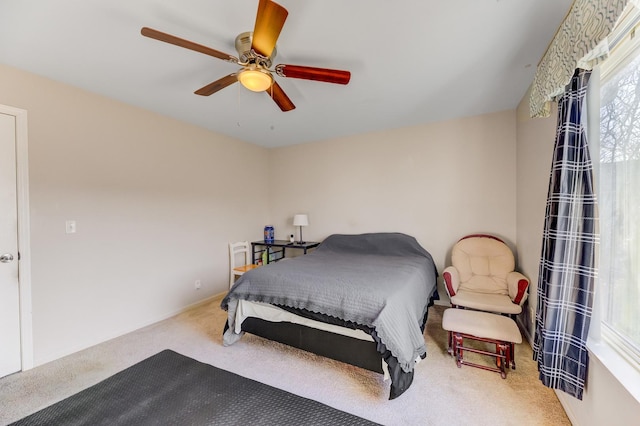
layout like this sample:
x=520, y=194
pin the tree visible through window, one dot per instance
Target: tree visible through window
x=619, y=204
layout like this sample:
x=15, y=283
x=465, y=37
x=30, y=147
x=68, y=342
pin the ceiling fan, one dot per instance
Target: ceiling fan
x=256, y=52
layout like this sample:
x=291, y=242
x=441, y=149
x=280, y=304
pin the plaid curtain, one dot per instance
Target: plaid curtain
x=567, y=267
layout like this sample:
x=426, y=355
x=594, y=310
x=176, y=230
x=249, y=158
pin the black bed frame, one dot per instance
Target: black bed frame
x=361, y=353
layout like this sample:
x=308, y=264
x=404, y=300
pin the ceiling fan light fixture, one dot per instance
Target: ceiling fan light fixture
x=255, y=79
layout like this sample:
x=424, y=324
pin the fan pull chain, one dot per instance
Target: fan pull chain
x=238, y=104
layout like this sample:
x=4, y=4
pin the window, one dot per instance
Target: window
x=619, y=200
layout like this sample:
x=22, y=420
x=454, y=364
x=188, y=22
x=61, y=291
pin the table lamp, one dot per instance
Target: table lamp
x=300, y=220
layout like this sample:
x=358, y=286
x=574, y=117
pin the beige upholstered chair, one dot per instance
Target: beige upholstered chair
x=237, y=269
x=482, y=276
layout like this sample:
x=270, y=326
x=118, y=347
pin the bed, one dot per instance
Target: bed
x=361, y=299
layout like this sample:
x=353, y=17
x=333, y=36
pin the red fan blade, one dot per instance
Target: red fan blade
x=219, y=84
x=280, y=98
x=311, y=73
x=168, y=38
x=269, y=22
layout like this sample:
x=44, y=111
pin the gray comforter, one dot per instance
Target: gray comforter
x=384, y=281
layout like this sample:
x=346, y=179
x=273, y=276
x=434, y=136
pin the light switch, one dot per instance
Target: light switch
x=70, y=226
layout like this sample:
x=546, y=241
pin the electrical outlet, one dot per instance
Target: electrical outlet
x=198, y=284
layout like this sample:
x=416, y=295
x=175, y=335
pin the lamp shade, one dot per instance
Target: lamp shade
x=300, y=220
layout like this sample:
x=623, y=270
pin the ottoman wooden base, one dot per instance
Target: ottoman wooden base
x=485, y=327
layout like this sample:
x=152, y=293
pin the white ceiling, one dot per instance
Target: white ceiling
x=411, y=61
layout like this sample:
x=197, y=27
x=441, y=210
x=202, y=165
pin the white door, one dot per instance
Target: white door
x=10, y=355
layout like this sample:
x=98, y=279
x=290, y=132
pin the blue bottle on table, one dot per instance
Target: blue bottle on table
x=268, y=234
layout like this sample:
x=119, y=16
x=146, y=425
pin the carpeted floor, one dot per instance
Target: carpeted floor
x=441, y=394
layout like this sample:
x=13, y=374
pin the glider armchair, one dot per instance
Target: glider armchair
x=482, y=276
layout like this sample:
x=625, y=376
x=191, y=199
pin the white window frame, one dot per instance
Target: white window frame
x=602, y=343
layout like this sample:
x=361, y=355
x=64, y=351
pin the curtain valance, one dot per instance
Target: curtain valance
x=580, y=40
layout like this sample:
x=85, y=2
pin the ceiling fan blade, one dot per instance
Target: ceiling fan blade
x=168, y=38
x=269, y=22
x=280, y=98
x=312, y=73
x=219, y=84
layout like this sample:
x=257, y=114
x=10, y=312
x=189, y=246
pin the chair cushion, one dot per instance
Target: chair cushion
x=485, y=302
x=481, y=324
x=483, y=264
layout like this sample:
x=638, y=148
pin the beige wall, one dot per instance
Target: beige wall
x=535, y=138
x=605, y=400
x=436, y=182
x=156, y=202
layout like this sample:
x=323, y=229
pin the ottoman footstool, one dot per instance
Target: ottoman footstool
x=496, y=329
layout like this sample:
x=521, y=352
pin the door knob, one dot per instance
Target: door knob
x=6, y=258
